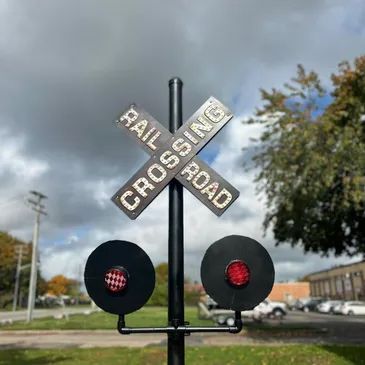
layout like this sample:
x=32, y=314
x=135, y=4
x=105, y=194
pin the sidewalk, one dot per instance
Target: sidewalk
x=21, y=315
x=81, y=339
x=111, y=338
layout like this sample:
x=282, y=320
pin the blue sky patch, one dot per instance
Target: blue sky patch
x=209, y=154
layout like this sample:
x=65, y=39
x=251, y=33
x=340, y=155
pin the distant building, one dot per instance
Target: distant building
x=289, y=292
x=345, y=282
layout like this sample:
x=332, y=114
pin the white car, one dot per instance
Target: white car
x=329, y=306
x=337, y=309
x=269, y=308
x=225, y=316
x=265, y=309
x=350, y=308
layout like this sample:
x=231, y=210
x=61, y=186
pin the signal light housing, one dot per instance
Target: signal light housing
x=116, y=279
x=119, y=277
x=237, y=272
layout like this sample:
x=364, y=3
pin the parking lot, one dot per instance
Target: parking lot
x=330, y=328
x=317, y=318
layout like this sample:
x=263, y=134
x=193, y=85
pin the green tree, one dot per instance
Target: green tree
x=160, y=293
x=311, y=160
x=8, y=262
x=162, y=273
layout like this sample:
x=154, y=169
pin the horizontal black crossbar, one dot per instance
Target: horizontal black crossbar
x=123, y=330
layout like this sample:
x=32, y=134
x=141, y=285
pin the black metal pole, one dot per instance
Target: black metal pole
x=186, y=330
x=176, y=341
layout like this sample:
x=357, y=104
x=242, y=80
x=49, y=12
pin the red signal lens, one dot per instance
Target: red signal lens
x=116, y=279
x=237, y=273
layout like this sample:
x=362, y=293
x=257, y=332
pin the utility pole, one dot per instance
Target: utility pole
x=17, y=276
x=39, y=209
x=20, y=252
x=79, y=281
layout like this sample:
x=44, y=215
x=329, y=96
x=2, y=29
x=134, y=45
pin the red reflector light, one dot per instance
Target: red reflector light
x=116, y=279
x=237, y=273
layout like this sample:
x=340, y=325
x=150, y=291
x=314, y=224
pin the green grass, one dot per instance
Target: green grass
x=235, y=355
x=147, y=316
x=152, y=316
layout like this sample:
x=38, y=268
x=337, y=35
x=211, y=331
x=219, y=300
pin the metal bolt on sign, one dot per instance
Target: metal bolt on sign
x=237, y=272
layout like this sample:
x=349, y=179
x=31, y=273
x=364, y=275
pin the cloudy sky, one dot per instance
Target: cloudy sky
x=69, y=68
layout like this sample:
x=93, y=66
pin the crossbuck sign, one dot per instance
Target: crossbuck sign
x=174, y=156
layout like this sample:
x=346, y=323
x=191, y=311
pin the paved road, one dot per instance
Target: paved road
x=314, y=317
x=41, y=313
x=339, y=328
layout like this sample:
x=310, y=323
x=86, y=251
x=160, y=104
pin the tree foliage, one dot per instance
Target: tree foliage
x=311, y=160
x=160, y=293
x=9, y=247
x=61, y=285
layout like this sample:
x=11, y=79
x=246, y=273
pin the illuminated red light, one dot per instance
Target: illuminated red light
x=116, y=279
x=237, y=273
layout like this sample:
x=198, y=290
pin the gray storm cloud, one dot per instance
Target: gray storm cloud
x=68, y=69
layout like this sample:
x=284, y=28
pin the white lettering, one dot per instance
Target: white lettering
x=170, y=158
x=139, y=127
x=214, y=113
x=190, y=137
x=151, y=173
x=224, y=203
x=204, y=126
x=145, y=137
x=182, y=147
x=123, y=200
x=153, y=139
x=130, y=116
x=141, y=185
x=202, y=184
x=210, y=190
x=191, y=169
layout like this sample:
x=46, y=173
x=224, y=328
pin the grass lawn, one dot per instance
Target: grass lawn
x=152, y=316
x=146, y=316
x=247, y=355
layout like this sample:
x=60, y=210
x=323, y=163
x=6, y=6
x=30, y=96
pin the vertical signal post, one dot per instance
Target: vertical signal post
x=176, y=341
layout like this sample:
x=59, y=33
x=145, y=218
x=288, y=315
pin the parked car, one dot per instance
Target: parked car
x=265, y=309
x=337, y=309
x=309, y=304
x=211, y=303
x=328, y=306
x=208, y=308
x=272, y=309
x=225, y=316
x=298, y=304
x=48, y=301
x=351, y=308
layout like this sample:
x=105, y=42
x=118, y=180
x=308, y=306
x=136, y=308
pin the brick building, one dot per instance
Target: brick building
x=289, y=292
x=345, y=282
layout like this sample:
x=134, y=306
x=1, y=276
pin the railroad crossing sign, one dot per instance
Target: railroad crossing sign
x=174, y=156
x=236, y=271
